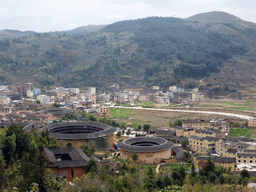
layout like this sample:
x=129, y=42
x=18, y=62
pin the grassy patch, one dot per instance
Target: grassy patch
x=244, y=132
x=247, y=103
x=176, y=166
x=121, y=104
x=120, y=113
x=236, y=108
x=2, y=131
x=145, y=167
x=145, y=104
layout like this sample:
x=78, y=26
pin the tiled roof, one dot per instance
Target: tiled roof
x=233, y=151
x=243, y=145
x=165, y=132
x=179, y=152
x=101, y=130
x=196, y=121
x=246, y=154
x=217, y=159
x=78, y=157
x=237, y=139
x=211, y=138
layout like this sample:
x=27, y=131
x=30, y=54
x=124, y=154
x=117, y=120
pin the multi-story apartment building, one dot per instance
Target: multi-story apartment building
x=203, y=145
x=196, y=124
x=182, y=131
x=44, y=99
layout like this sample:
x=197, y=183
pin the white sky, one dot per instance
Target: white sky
x=58, y=15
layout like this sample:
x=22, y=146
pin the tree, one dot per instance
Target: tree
x=187, y=155
x=91, y=166
x=42, y=164
x=174, y=140
x=128, y=132
x=245, y=181
x=2, y=175
x=118, y=134
x=193, y=172
x=22, y=139
x=187, y=184
x=8, y=149
x=244, y=173
x=185, y=143
x=177, y=122
x=69, y=144
x=139, y=127
x=182, y=173
x=85, y=149
x=55, y=105
x=91, y=147
x=135, y=156
x=212, y=177
x=175, y=175
x=210, y=167
x=146, y=127
x=150, y=180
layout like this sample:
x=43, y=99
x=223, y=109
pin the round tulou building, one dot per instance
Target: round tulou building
x=79, y=133
x=150, y=150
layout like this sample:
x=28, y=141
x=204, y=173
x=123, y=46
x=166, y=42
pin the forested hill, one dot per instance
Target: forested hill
x=150, y=51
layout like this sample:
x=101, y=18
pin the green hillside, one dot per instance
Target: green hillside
x=150, y=51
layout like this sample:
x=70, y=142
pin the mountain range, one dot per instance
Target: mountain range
x=209, y=50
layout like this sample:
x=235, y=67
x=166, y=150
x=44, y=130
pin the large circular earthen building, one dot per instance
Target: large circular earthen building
x=150, y=150
x=79, y=133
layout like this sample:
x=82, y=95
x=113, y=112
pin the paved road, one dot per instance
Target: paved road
x=188, y=111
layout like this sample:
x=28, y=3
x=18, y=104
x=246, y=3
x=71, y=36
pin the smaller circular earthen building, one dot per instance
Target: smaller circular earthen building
x=150, y=150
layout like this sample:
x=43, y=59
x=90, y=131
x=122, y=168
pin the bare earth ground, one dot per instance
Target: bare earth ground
x=160, y=119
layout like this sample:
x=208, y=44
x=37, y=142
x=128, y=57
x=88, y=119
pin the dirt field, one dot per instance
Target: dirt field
x=159, y=119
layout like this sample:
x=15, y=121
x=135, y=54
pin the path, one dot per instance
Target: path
x=157, y=168
x=187, y=111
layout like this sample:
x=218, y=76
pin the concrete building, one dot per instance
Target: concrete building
x=155, y=87
x=104, y=110
x=74, y=90
x=92, y=90
x=30, y=93
x=4, y=100
x=252, y=123
x=44, y=99
x=197, y=124
x=203, y=145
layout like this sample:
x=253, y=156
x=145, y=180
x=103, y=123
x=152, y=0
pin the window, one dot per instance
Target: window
x=239, y=156
x=239, y=160
x=244, y=161
x=251, y=157
x=251, y=161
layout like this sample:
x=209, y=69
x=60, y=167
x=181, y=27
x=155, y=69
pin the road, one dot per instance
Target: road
x=187, y=111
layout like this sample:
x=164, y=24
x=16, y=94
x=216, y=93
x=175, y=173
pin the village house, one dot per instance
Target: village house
x=104, y=110
x=225, y=162
x=252, y=122
x=69, y=163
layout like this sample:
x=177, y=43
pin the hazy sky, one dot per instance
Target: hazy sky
x=57, y=15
